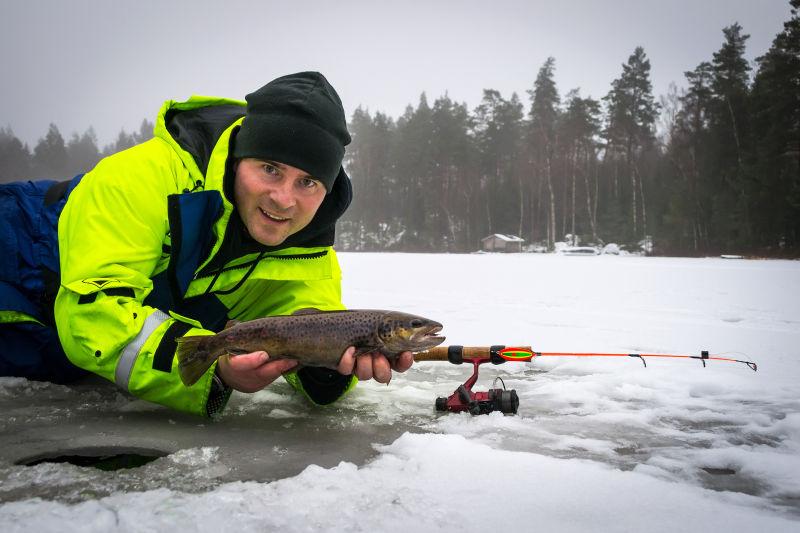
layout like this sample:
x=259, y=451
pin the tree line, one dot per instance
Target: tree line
x=721, y=175
x=55, y=158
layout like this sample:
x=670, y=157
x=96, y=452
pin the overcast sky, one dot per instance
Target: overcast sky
x=109, y=64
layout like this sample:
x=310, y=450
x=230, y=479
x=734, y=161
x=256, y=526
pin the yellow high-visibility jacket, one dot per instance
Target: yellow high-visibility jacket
x=151, y=248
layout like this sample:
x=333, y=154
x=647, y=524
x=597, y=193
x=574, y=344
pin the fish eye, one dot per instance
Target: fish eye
x=416, y=323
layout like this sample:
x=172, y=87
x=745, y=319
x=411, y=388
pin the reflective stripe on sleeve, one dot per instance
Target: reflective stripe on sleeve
x=15, y=317
x=122, y=374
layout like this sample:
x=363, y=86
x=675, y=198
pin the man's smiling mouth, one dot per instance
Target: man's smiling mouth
x=270, y=216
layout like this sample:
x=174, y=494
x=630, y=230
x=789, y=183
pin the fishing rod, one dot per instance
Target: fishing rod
x=507, y=401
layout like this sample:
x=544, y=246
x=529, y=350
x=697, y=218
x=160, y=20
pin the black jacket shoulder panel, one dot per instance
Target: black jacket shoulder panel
x=197, y=130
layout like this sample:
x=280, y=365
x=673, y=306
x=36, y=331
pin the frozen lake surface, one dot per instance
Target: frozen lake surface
x=598, y=444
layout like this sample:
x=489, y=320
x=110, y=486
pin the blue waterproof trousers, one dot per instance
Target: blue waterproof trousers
x=29, y=281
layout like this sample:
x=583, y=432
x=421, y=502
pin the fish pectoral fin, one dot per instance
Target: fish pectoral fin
x=230, y=323
x=237, y=351
x=307, y=311
x=367, y=349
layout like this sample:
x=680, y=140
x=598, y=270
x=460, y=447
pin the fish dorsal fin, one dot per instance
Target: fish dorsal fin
x=307, y=311
x=230, y=323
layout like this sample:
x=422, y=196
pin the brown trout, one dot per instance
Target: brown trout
x=312, y=337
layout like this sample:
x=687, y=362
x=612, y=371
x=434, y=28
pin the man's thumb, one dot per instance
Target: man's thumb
x=248, y=361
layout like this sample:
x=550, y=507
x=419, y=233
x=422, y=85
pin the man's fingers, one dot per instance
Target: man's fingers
x=381, y=369
x=347, y=362
x=364, y=367
x=253, y=371
x=403, y=362
x=247, y=361
x=273, y=369
x=373, y=365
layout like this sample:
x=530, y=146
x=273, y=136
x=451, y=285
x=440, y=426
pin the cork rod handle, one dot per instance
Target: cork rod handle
x=439, y=353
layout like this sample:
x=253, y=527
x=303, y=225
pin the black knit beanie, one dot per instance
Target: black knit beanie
x=297, y=120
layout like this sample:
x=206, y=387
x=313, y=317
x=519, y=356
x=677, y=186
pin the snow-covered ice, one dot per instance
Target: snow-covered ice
x=598, y=444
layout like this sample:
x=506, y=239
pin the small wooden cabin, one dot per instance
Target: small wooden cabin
x=501, y=243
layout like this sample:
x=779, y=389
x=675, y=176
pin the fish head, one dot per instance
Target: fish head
x=400, y=332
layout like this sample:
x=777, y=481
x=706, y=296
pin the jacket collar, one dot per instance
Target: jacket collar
x=202, y=131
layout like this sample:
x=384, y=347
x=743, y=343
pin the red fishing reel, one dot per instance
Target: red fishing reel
x=507, y=401
x=478, y=403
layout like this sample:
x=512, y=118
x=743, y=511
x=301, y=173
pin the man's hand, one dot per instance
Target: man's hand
x=251, y=372
x=373, y=365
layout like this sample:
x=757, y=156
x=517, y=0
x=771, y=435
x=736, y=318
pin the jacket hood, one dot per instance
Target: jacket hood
x=195, y=128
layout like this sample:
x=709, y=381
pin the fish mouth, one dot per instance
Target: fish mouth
x=428, y=336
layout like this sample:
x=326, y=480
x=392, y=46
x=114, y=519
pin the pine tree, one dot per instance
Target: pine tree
x=124, y=141
x=454, y=181
x=687, y=217
x=359, y=166
x=631, y=114
x=15, y=158
x=579, y=126
x=542, y=143
x=498, y=129
x=50, y=155
x=413, y=171
x=82, y=152
x=372, y=218
x=145, y=132
x=730, y=141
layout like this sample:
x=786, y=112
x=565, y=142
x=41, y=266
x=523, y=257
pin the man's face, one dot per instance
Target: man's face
x=275, y=200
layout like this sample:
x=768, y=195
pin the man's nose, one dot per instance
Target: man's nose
x=282, y=195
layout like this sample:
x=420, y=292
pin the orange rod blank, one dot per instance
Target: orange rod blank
x=440, y=353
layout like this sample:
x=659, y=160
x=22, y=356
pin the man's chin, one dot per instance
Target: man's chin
x=274, y=241
x=267, y=238
x=269, y=235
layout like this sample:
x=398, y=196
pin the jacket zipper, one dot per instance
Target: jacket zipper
x=290, y=257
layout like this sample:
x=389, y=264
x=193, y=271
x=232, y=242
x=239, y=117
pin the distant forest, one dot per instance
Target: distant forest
x=53, y=158
x=708, y=169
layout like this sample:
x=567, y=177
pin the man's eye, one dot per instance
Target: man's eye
x=270, y=169
x=308, y=183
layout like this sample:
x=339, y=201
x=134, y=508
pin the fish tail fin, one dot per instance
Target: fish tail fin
x=194, y=358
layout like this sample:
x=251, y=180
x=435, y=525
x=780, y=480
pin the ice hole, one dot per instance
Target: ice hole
x=102, y=458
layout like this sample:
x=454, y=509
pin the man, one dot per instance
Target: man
x=227, y=213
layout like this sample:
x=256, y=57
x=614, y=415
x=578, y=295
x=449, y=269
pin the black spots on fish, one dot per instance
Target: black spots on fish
x=363, y=342
x=306, y=331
